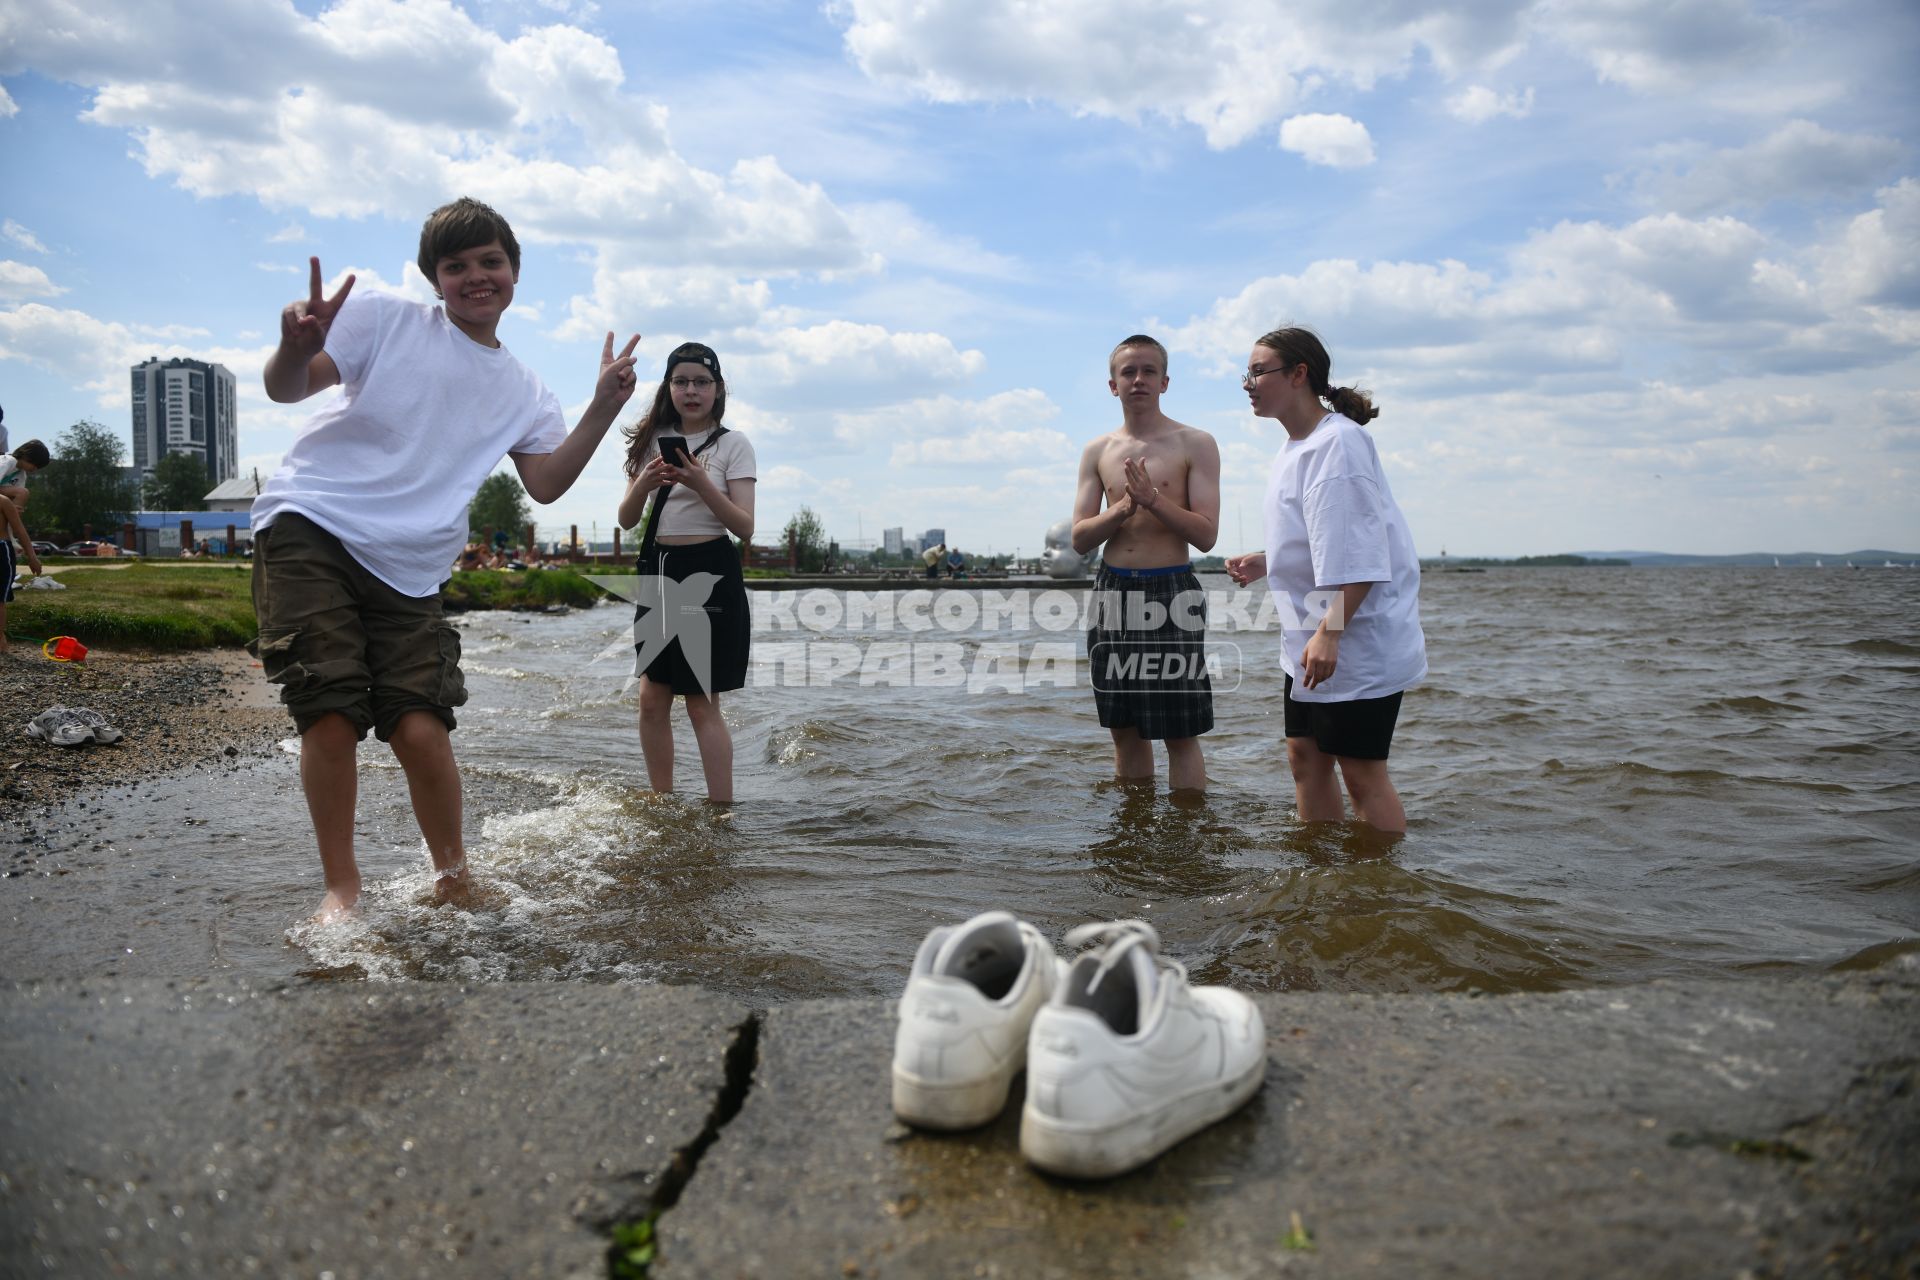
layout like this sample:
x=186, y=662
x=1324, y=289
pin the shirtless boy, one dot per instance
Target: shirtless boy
x=1160, y=481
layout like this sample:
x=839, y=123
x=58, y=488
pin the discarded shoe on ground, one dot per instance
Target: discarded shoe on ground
x=1127, y=1059
x=72, y=727
x=970, y=999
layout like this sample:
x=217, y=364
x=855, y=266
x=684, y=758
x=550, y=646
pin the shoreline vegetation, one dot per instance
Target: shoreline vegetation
x=1524, y=562
x=172, y=607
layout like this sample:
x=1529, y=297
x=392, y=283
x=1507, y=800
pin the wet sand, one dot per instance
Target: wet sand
x=179, y=711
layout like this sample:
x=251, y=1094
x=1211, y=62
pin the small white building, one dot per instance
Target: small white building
x=236, y=494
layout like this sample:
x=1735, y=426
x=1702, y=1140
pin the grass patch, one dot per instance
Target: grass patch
x=633, y=1251
x=532, y=589
x=1763, y=1148
x=159, y=606
x=151, y=606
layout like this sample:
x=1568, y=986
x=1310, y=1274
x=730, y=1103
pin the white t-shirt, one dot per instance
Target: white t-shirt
x=731, y=459
x=424, y=415
x=1332, y=520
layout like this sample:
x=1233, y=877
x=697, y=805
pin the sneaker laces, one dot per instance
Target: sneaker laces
x=1117, y=935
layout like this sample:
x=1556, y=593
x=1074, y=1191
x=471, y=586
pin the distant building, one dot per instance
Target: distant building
x=159, y=533
x=932, y=538
x=185, y=406
x=236, y=494
x=894, y=541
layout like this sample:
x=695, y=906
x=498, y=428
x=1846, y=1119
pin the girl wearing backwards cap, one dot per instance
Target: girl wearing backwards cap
x=691, y=627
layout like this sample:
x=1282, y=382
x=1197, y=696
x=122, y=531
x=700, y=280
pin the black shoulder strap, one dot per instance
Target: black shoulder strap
x=651, y=532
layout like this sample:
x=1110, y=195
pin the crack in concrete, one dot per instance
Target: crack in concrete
x=741, y=1061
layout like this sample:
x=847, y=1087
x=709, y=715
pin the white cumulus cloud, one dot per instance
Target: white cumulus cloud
x=22, y=237
x=1231, y=68
x=1799, y=160
x=1338, y=142
x=18, y=280
x=1479, y=104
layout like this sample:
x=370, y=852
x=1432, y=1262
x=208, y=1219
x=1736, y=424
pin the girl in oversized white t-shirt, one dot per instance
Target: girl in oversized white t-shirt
x=1342, y=567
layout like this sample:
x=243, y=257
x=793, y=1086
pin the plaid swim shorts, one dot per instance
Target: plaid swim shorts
x=1146, y=646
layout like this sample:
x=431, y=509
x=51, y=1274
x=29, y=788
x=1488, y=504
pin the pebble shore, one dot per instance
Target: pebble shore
x=176, y=709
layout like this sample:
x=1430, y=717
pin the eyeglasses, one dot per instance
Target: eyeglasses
x=691, y=384
x=1252, y=376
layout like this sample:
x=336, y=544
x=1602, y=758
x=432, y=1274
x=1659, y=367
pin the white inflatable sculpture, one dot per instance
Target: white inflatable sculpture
x=1060, y=560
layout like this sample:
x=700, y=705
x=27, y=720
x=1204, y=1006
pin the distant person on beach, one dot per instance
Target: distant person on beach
x=691, y=628
x=1334, y=531
x=354, y=532
x=14, y=469
x=1160, y=483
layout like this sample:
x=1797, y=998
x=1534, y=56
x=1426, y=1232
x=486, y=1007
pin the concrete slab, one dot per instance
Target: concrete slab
x=1677, y=1129
x=224, y=1128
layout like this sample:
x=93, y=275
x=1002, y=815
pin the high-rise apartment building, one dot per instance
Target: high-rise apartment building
x=185, y=406
x=932, y=538
x=895, y=541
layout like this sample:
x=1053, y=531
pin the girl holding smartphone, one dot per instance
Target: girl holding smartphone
x=692, y=480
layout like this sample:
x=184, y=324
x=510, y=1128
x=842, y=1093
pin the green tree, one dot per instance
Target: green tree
x=178, y=482
x=805, y=532
x=83, y=485
x=500, y=504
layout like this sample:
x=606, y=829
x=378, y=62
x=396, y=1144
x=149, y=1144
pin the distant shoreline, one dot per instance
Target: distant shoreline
x=1869, y=559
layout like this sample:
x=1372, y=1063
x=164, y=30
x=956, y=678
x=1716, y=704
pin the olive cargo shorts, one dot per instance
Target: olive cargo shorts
x=337, y=639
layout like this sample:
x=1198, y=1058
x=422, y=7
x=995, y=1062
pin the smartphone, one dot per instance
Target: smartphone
x=674, y=450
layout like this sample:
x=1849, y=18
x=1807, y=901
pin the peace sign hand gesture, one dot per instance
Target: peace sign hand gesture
x=304, y=325
x=616, y=382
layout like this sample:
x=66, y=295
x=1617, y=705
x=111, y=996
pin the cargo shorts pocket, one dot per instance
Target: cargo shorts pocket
x=276, y=648
x=452, y=690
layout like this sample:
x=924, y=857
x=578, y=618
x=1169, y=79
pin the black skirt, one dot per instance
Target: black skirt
x=691, y=627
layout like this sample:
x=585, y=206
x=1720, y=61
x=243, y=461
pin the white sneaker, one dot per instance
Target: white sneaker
x=1127, y=1059
x=61, y=726
x=103, y=732
x=964, y=1018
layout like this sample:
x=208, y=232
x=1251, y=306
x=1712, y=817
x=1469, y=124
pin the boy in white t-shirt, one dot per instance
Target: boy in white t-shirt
x=354, y=532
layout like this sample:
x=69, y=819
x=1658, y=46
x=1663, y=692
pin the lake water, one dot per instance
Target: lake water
x=1611, y=775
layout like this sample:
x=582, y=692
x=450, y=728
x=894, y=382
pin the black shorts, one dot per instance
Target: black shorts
x=698, y=639
x=1147, y=653
x=1359, y=730
x=8, y=567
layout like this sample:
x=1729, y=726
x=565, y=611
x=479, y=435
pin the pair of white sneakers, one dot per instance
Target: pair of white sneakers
x=1123, y=1057
x=72, y=727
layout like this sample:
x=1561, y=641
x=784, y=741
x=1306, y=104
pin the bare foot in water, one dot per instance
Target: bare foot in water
x=452, y=886
x=336, y=906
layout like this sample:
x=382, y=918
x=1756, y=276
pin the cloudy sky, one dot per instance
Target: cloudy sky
x=1620, y=273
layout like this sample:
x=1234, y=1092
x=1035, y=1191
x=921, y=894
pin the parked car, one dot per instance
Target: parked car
x=82, y=548
x=45, y=548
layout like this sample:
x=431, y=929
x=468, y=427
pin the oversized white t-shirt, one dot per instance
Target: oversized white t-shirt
x=424, y=415
x=1331, y=520
x=730, y=459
